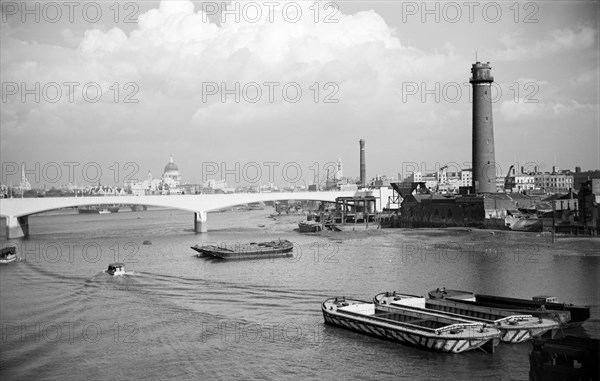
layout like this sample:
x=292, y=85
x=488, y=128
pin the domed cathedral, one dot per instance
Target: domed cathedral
x=171, y=175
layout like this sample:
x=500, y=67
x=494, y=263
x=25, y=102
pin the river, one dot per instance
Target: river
x=174, y=315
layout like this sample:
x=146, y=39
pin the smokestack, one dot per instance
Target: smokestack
x=363, y=164
x=484, y=157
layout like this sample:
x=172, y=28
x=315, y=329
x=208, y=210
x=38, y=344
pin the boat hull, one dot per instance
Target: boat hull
x=411, y=337
x=309, y=228
x=8, y=259
x=578, y=314
x=265, y=250
x=567, y=314
x=245, y=256
x=8, y=254
x=203, y=251
x=115, y=269
x=514, y=328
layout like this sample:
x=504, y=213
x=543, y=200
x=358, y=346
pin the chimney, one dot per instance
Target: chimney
x=484, y=157
x=363, y=164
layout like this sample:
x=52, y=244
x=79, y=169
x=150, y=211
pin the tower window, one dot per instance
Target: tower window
x=486, y=118
x=485, y=92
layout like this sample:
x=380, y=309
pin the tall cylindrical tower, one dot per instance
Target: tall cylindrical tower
x=363, y=164
x=484, y=158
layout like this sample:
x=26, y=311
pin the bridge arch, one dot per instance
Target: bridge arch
x=17, y=210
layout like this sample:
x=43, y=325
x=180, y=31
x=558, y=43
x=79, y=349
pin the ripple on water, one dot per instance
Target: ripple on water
x=174, y=315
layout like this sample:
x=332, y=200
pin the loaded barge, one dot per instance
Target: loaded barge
x=252, y=250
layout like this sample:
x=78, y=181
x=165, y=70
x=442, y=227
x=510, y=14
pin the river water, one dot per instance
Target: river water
x=174, y=315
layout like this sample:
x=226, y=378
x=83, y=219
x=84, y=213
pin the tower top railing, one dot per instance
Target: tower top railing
x=481, y=72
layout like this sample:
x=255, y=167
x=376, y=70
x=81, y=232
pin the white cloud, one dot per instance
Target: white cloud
x=97, y=42
x=519, y=48
x=522, y=109
x=517, y=109
x=173, y=51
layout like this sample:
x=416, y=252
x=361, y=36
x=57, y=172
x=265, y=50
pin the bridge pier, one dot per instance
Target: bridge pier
x=17, y=227
x=200, y=222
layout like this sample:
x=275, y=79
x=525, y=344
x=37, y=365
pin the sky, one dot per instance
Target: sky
x=259, y=92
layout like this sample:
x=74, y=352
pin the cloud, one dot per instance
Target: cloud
x=175, y=50
x=517, y=109
x=519, y=48
x=97, y=42
x=523, y=109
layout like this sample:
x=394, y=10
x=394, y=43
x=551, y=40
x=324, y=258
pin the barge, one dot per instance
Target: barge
x=425, y=330
x=569, y=315
x=252, y=250
x=514, y=328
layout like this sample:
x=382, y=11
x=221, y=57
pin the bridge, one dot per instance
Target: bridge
x=17, y=210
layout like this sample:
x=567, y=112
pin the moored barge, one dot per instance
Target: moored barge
x=430, y=331
x=253, y=250
x=569, y=315
x=514, y=328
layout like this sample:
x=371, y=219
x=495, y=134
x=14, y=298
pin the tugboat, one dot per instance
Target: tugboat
x=116, y=268
x=8, y=254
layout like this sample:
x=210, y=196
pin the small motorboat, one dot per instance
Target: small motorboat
x=8, y=254
x=427, y=330
x=116, y=268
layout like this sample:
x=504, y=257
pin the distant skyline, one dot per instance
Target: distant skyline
x=391, y=73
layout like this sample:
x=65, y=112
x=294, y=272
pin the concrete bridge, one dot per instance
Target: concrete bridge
x=17, y=210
